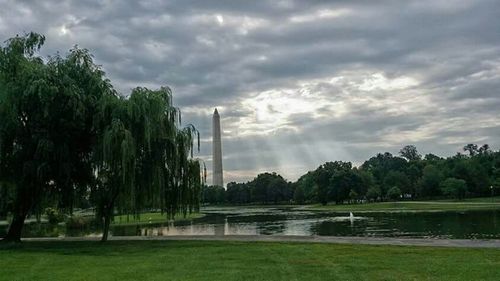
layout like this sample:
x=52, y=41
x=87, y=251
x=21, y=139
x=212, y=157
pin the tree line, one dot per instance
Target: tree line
x=266, y=188
x=406, y=176
x=67, y=137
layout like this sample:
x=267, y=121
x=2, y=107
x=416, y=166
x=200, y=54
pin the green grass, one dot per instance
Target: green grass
x=495, y=199
x=147, y=218
x=410, y=206
x=199, y=260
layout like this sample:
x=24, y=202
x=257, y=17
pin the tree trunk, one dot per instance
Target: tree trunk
x=105, y=231
x=15, y=228
x=23, y=206
x=108, y=212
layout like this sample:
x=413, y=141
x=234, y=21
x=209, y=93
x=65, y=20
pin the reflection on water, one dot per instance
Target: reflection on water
x=300, y=221
x=297, y=221
x=200, y=229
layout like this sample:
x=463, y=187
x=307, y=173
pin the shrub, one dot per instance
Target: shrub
x=394, y=193
x=353, y=195
x=454, y=187
x=79, y=222
x=373, y=193
x=54, y=216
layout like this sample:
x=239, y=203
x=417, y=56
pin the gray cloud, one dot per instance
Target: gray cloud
x=297, y=82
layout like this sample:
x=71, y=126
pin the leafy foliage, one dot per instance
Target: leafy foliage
x=266, y=188
x=454, y=187
x=66, y=136
x=54, y=216
x=46, y=131
x=410, y=153
x=394, y=193
x=382, y=177
x=142, y=157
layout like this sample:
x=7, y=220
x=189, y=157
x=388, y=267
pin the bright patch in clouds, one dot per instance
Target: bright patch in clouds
x=320, y=15
x=271, y=110
x=63, y=30
x=379, y=81
x=220, y=19
x=328, y=98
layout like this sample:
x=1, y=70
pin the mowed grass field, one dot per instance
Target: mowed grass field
x=402, y=206
x=221, y=260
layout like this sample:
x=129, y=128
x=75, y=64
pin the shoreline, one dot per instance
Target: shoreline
x=427, y=242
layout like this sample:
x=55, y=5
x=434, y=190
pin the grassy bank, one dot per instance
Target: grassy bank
x=197, y=260
x=147, y=218
x=495, y=199
x=409, y=206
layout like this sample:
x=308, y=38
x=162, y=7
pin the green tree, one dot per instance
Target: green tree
x=270, y=187
x=373, y=193
x=414, y=172
x=380, y=165
x=474, y=173
x=306, y=185
x=454, y=187
x=332, y=181
x=46, y=135
x=362, y=181
x=431, y=178
x=115, y=165
x=471, y=149
x=353, y=195
x=299, y=196
x=484, y=149
x=410, y=153
x=64, y=131
x=394, y=193
x=213, y=194
x=238, y=193
x=142, y=158
x=399, y=180
x=322, y=185
x=341, y=180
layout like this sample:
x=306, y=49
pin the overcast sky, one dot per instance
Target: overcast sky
x=297, y=83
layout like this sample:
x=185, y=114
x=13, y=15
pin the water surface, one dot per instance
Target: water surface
x=301, y=221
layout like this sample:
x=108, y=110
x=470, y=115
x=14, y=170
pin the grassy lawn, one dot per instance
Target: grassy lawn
x=199, y=260
x=402, y=206
x=495, y=199
x=152, y=218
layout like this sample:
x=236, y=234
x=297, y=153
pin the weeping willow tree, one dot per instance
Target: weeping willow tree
x=46, y=118
x=115, y=171
x=143, y=159
x=64, y=130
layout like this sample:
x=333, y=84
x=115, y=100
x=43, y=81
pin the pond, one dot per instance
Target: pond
x=301, y=221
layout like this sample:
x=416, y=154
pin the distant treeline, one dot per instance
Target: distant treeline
x=382, y=177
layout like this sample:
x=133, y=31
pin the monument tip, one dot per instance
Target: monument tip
x=215, y=111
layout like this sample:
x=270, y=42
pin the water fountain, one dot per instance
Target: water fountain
x=351, y=218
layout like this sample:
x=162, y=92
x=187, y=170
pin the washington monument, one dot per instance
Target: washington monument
x=216, y=151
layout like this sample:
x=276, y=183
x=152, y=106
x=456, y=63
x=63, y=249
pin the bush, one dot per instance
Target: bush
x=353, y=195
x=299, y=196
x=373, y=193
x=79, y=222
x=454, y=187
x=54, y=216
x=394, y=193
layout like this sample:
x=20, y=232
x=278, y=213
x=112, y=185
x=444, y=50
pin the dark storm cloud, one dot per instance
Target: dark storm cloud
x=297, y=83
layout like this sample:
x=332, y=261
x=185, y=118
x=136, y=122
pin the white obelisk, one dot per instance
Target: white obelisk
x=216, y=151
